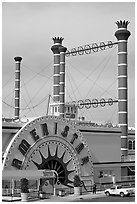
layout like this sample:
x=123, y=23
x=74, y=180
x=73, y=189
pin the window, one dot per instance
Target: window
x=119, y=187
x=55, y=109
x=105, y=173
x=100, y=174
x=71, y=109
x=130, y=144
x=134, y=144
x=112, y=188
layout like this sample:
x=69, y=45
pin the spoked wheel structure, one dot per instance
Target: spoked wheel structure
x=50, y=143
x=60, y=164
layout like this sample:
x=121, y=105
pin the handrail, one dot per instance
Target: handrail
x=128, y=158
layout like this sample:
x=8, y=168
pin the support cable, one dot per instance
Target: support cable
x=30, y=109
x=37, y=73
x=106, y=91
x=39, y=90
x=10, y=107
x=113, y=113
x=104, y=67
x=74, y=83
x=71, y=86
x=28, y=97
x=91, y=72
x=8, y=81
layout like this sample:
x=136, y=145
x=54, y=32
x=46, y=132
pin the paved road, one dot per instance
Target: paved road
x=108, y=199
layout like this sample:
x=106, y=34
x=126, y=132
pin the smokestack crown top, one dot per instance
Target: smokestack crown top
x=18, y=59
x=58, y=40
x=122, y=24
x=62, y=49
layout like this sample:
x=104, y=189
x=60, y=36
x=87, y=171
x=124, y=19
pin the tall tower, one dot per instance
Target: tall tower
x=17, y=86
x=58, y=106
x=56, y=75
x=122, y=35
x=62, y=81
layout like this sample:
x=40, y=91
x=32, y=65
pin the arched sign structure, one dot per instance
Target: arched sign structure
x=50, y=143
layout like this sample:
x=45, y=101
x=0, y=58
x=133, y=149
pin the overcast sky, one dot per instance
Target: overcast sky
x=27, y=31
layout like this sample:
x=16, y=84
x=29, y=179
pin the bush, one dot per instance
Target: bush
x=77, y=181
x=24, y=185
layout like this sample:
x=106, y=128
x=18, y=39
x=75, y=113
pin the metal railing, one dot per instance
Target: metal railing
x=128, y=158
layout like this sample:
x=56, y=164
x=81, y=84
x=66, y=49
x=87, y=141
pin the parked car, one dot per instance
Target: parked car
x=119, y=190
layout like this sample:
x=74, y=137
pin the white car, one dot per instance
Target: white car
x=119, y=190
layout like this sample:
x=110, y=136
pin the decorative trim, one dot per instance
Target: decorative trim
x=124, y=149
x=55, y=95
x=56, y=64
x=122, y=64
x=121, y=112
x=120, y=88
x=124, y=136
x=56, y=54
x=120, y=53
x=122, y=29
x=124, y=124
x=55, y=84
x=57, y=44
x=56, y=75
x=122, y=41
x=17, y=62
x=122, y=100
x=122, y=76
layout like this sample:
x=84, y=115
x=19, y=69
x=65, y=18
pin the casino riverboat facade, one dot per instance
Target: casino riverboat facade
x=63, y=144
